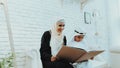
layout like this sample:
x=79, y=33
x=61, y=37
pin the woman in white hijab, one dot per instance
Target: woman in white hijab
x=51, y=43
x=78, y=42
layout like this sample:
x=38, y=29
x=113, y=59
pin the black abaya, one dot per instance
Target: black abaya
x=46, y=55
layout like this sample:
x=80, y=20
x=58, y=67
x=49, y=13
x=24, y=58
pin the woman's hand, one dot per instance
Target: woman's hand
x=53, y=58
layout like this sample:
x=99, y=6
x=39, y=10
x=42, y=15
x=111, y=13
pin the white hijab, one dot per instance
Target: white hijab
x=56, y=41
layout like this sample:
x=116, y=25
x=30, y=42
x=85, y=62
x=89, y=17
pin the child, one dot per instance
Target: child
x=78, y=42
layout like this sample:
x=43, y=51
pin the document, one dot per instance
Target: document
x=76, y=54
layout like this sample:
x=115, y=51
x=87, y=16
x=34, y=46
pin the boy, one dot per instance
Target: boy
x=78, y=42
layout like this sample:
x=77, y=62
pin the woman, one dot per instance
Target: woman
x=51, y=43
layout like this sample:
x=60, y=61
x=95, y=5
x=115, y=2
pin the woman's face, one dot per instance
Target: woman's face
x=78, y=38
x=60, y=27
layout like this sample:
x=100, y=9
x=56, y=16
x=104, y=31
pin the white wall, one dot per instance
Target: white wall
x=114, y=19
x=25, y=21
x=3, y=29
x=114, y=23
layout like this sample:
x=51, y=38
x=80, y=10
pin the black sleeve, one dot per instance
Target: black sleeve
x=45, y=49
x=65, y=41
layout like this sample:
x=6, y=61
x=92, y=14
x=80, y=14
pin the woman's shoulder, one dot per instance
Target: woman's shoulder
x=46, y=32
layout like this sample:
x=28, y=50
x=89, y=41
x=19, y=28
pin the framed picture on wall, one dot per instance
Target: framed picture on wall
x=87, y=18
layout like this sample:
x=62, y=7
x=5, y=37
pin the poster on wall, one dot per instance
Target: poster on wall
x=87, y=18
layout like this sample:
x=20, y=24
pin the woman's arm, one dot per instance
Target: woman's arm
x=65, y=41
x=45, y=49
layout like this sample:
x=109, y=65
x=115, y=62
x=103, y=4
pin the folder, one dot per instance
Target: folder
x=76, y=54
